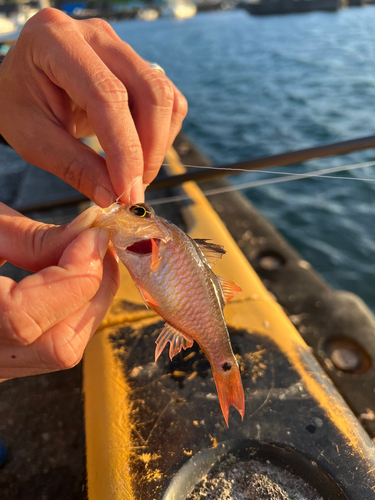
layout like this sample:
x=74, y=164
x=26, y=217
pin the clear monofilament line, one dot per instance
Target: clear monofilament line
x=288, y=177
x=261, y=171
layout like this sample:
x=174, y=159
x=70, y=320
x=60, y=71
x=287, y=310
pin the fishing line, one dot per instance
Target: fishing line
x=265, y=182
x=261, y=171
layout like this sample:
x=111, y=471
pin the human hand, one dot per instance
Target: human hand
x=47, y=318
x=64, y=79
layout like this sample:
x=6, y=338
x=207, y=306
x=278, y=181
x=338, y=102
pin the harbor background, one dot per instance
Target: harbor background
x=256, y=86
x=260, y=86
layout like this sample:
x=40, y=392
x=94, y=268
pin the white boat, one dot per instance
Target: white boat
x=11, y=26
x=148, y=14
x=7, y=26
x=24, y=14
x=184, y=10
x=180, y=9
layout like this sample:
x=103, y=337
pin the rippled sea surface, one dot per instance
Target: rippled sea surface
x=260, y=86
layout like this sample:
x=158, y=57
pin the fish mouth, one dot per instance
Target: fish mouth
x=142, y=247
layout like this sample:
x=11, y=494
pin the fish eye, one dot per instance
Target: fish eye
x=140, y=211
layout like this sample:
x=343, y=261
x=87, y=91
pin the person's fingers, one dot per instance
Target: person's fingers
x=72, y=161
x=83, y=127
x=157, y=107
x=40, y=301
x=81, y=325
x=180, y=109
x=75, y=67
x=46, y=120
x=151, y=96
x=62, y=346
x=134, y=110
x=33, y=245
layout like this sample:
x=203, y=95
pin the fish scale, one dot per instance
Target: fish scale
x=178, y=266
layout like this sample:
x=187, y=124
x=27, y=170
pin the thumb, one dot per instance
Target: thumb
x=34, y=245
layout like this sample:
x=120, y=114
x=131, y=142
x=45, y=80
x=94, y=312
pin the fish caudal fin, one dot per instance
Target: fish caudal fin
x=229, y=388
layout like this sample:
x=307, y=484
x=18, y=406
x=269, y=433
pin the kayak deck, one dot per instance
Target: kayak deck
x=155, y=430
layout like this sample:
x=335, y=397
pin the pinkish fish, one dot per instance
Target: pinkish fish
x=172, y=273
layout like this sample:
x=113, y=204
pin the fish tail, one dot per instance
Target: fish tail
x=229, y=388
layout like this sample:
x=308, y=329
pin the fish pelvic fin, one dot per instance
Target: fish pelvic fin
x=147, y=297
x=211, y=251
x=177, y=341
x=230, y=289
x=229, y=388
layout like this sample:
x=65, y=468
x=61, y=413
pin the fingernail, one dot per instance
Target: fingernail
x=85, y=219
x=113, y=251
x=137, y=192
x=102, y=197
x=103, y=242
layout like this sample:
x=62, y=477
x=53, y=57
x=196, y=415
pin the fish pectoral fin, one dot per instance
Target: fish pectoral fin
x=211, y=251
x=155, y=257
x=147, y=298
x=230, y=289
x=175, y=337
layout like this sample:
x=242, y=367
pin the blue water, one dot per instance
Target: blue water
x=259, y=86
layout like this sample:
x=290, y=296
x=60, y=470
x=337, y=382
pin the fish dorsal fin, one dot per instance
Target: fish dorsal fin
x=230, y=289
x=211, y=251
x=175, y=337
